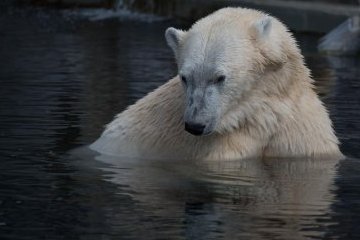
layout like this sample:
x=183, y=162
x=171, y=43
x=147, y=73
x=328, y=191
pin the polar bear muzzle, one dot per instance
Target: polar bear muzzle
x=194, y=128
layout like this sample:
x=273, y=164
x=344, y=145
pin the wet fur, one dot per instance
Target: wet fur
x=277, y=114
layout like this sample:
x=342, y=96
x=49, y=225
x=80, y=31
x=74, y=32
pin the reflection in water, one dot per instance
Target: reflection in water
x=258, y=199
x=63, y=78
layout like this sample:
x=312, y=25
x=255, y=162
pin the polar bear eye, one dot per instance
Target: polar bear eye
x=183, y=79
x=220, y=79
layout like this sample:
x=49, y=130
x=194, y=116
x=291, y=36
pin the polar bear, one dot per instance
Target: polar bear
x=242, y=91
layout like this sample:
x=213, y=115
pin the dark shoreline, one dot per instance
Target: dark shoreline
x=300, y=16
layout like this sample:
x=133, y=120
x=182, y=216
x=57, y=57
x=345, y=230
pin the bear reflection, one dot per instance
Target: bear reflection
x=245, y=199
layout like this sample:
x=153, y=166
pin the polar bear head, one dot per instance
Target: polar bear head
x=221, y=59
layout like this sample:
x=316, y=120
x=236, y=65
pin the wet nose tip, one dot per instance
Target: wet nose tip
x=194, y=128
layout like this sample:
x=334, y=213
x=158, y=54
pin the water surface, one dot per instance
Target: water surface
x=64, y=76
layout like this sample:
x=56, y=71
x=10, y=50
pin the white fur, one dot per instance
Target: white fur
x=265, y=107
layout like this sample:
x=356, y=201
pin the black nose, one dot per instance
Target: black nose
x=194, y=128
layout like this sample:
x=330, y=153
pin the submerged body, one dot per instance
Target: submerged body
x=242, y=86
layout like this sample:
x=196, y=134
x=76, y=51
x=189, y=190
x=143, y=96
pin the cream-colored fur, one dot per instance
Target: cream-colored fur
x=267, y=105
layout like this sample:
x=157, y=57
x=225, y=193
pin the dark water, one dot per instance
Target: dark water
x=62, y=78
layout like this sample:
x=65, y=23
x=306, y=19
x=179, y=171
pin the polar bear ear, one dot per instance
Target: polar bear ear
x=262, y=27
x=173, y=38
x=269, y=44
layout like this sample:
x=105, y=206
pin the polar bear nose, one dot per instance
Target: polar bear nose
x=194, y=128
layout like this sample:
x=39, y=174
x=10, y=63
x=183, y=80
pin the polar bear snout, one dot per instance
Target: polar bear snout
x=194, y=128
x=202, y=109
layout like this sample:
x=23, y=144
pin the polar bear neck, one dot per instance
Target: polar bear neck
x=273, y=96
